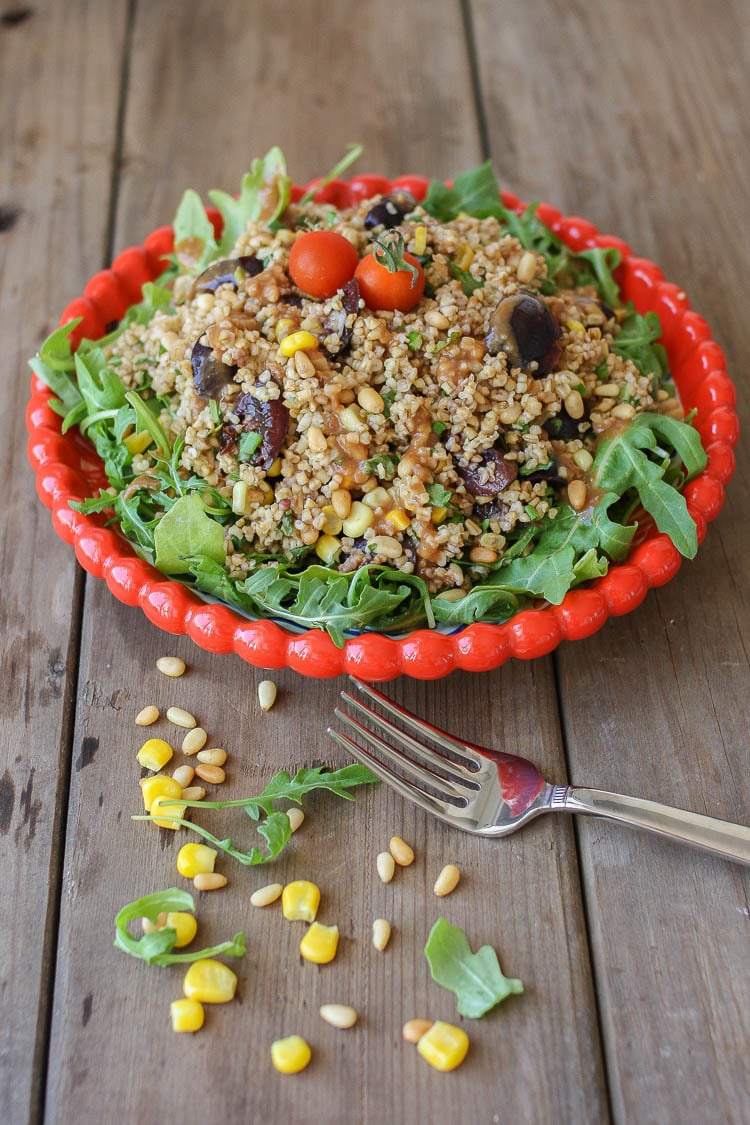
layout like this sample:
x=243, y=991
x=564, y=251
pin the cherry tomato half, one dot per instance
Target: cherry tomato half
x=321, y=261
x=383, y=289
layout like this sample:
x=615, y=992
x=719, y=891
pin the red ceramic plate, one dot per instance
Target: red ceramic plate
x=67, y=468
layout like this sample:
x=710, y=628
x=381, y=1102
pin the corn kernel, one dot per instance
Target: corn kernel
x=290, y=1055
x=184, y=925
x=275, y=468
x=359, y=519
x=159, y=785
x=239, y=498
x=137, y=442
x=284, y=328
x=351, y=419
x=575, y=326
x=420, y=239
x=333, y=523
x=377, y=497
x=209, y=981
x=444, y=1046
x=467, y=257
x=170, y=813
x=399, y=518
x=298, y=341
x=193, y=859
x=187, y=1015
x=300, y=901
x=320, y=943
x=439, y=515
x=154, y=754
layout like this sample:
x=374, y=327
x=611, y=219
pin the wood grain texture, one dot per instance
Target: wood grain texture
x=664, y=117
x=55, y=169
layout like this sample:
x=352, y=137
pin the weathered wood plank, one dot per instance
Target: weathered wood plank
x=539, y=1056
x=648, y=140
x=55, y=169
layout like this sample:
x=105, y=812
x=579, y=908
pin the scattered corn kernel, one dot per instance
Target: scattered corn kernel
x=444, y=1046
x=184, y=925
x=413, y=1030
x=194, y=740
x=187, y=1015
x=193, y=793
x=147, y=716
x=401, y=852
x=239, y=497
x=420, y=239
x=171, y=666
x=298, y=341
x=169, y=814
x=296, y=816
x=264, y=896
x=209, y=881
x=195, y=859
x=183, y=775
x=137, y=442
x=213, y=775
x=327, y=548
x=319, y=943
x=209, y=981
x=154, y=754
x=381, y=933
x=181, y=718
x=338, y=1015
x=216, y=756
x=386, y=867
x=360, y=517
x=399, y=518
x=266, y=694
x=290, y=1055
x=159, y=785
x=447, y=880
x=300, y=901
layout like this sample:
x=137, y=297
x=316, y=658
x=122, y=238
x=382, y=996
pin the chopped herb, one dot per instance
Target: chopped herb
x=439, y=427
x=531, y=512
x=453, y=338
x=387, y=462
x=248, y=445
x=213, y=409
x=602, y=371
x=388, y=397
x=415, y=341
x=440, y=497
x=469, y=283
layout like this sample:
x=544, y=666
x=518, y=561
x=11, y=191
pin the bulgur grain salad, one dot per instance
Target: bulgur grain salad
x=393, y=415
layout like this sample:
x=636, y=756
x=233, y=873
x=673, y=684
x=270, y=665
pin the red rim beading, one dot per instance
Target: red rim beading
x=67, y=468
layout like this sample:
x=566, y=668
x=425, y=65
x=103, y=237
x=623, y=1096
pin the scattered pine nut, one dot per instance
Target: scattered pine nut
x=447, y=880
x=183, y=775
x=338, y=1015
x=147, y=716
x=413, y=1030
x=209, y=881
x=150, y=927
x=194, y=793
x=214, y=757
x=180, y=717
x=194, y=740
x=171, y=666
x=266, y=694
x=401, y=852
x=296, y=816
x=386, y=866
x=264, y=896
x=381, y=933
x=214, y=775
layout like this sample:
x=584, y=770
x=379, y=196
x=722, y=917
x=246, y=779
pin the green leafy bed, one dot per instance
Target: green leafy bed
x=179, y=525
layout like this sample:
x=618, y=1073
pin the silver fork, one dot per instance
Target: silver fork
x=491, y=793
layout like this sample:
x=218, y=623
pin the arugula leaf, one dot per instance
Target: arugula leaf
x=185, y=532
x=388, y=462
x=266, y=183
x=469, y=283
x=194, y=230
x=147, y=420
x=476, y=978
x=100, y=386
x=156, y=948
x=636, y=341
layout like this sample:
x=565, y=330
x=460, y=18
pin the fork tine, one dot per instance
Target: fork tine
x=456, y=773
x=417, y=773
x=469, y=758
x=429, y=804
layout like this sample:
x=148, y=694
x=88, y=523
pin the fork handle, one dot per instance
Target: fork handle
x=719, y=836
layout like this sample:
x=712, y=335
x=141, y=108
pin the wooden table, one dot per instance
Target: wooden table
x=634, y=952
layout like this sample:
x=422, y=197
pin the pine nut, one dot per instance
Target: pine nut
x=171, y=666
x=447, y=880
x=209, y=881
x=181, y=718
x=369, y=399
x=264, y=896
x=483, y=555
x=606, y=390
x=574, y=405
x=214, y=775
x=386, y=866
x=183, y=775
x=194, y=740
x=413, y=1030
x=623, y=410
x=577, y=495
x=214, y=757
x=341, y=502
x=510, y=414
x=316, y=439
x=583, y=459
x=436, y=319
x=401, y=852
x=150, y=927
x=386, y=546
x=304, y=366
x=526, y=268
x=266, y=694
x=147, y=716
x=194, y=793
x=296, y=816
x=338, y=1015
x=381, y=933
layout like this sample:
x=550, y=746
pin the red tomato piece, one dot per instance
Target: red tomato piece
x=321, y=261
x=383, y=289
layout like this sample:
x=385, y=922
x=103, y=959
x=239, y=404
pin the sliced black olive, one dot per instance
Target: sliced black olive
x=391, y=210
x=500, y=473
x=335, y=322
x=269, y=419
x=494, y=510
x=210, y=375
x=224, y=273
x=523, y=327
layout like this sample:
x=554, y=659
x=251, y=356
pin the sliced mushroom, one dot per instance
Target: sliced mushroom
x=488, y=476
x=523, y=327
x=210, y=375
x=224, y=272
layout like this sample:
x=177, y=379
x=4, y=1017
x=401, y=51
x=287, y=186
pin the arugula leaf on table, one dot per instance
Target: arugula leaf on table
x=476, y=978
x=156, y=948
